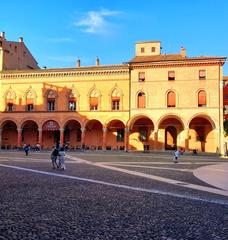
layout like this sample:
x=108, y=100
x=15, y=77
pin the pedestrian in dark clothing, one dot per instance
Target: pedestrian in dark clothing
x=54, y=156
x=26, y=149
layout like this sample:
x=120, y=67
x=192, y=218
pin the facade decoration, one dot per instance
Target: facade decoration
x=154, y=101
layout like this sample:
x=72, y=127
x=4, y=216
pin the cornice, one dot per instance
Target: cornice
x=175, y=64
x=86, y=71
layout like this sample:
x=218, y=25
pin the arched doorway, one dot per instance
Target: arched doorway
x=72, y=133
x=170, y=138
x=140, y=136
x=171, y=134
x=94, y=134
x=30, y=134
x=115, y=135
x=51, y=133
x=9, y=135
x=202, y=135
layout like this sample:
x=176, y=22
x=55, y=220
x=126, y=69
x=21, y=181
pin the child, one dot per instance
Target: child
x=176, y=154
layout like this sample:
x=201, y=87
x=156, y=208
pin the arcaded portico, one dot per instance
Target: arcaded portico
x=155, y=101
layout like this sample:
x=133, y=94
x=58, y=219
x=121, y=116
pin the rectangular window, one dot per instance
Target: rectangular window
x=141, y=76
x=29, y=107
x=171, y=75
x=9, y=107
x=202, y=74
x=115, y=104
x=142, y=50
x=72, y=105
x=143, y=135
x=120, y=135
x=51, y=105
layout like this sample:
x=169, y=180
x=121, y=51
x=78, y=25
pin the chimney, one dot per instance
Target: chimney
x=183, y=52
x=97, y=61
x=78, y=63
x=20, y=39
x=3, y=35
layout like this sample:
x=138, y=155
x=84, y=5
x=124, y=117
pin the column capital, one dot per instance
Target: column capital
x=61, y=129
x=83, y=129
x=127, y=130
x=19, y=129
x=40, y=129
x=105, y=129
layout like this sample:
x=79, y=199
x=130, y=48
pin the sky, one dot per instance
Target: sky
x=59, y=32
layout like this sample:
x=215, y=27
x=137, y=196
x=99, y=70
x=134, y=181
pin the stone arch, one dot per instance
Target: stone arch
x=141, y=128
x=171, y=132
x=9, y=119
x=135, y=118
x=29, y=133
x=115, y=134
x=72, y=133
x=202, y=133
x=50, y=133
x=9, y=134
x=93, y=134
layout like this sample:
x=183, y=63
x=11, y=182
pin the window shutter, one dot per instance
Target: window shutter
x=141, y=100
x=30, y=101
x=93, y=101
x=202, y=98
x=171, y=101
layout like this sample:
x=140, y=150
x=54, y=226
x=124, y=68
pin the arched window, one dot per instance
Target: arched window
x=202, y=99
x=9, y=100
x=93, y=101
x=72, y=101
x=115, y=99
x=171, y=99
x=30, y=100
x=141, y=100
x=51, y=98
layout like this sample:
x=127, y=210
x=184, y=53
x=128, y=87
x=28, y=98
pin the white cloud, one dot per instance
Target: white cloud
x=96, y=21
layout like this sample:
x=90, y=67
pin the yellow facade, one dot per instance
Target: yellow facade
x=130, y=103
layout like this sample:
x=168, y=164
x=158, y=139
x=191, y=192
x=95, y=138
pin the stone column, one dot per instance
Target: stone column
x=155, y=139
x=40, y=137
x=19, y=130
x=186, y=143
x=61, y=136
x=0, y=138
x=126, y=139
x=104, y=139
x=83, y=136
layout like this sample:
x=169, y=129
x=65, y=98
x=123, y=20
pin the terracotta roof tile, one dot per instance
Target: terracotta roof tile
x=168, y=57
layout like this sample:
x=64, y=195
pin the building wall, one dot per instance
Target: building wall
x=160, y=127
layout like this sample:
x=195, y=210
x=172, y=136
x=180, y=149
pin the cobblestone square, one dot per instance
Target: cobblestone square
x=114, y=195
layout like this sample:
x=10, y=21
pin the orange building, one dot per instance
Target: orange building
x=158, y=101
x=225, y=97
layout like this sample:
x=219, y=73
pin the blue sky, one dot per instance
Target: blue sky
x=58, y=32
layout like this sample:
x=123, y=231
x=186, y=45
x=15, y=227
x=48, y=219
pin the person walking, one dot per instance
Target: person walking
x=26, y=149
x=62, y=159
x=54, y=156
x=176, y=155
